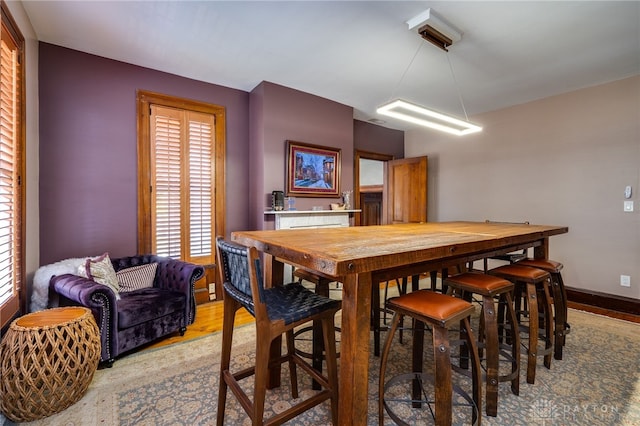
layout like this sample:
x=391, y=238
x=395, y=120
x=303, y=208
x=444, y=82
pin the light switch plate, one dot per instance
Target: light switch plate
x=628, y=206
x=625, y=280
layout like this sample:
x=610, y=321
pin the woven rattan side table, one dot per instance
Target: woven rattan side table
x=47, y=361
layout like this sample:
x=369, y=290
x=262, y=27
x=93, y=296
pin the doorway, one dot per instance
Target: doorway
x=388, y=190
x=370, y=176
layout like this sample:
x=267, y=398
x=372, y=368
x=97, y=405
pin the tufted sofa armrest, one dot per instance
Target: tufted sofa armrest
x=97, y=297
x=172, y=274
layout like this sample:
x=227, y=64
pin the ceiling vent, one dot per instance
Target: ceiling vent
x=434, y=29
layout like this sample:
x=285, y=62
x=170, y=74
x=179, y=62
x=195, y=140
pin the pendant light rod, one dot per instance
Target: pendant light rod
x=415, y=55
x=455, y=82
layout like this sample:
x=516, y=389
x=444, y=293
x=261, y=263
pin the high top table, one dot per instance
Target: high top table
x=358, y=256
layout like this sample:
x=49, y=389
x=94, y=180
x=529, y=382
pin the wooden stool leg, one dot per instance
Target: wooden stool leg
x=563, y=292
x=476, y=372
x=515, y=342
x=533, y=333
x=230, y=308
x=548, y=319
x=375, y=317
x=560, y=314
x=291, y=349
x=491, y=334
x=443, y=386
x=444, y=275
x=383, y=365
x=317, y=344
x=261, y=378
x=417, y=359
x=464, y=349
x=481, y=335
x=329, y=333
x=402, y=289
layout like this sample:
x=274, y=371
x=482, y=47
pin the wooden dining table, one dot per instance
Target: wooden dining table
x=362, y=255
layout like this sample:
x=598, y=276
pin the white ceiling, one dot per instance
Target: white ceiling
x=356, y=52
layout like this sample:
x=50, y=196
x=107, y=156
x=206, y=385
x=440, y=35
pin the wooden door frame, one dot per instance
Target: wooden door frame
x=144, y=99
x=358, y=154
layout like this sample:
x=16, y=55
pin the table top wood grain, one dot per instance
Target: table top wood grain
x=340, y=251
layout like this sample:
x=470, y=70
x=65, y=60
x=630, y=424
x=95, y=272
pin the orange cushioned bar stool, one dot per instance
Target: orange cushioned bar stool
x=379, y=309
x=535, y=283
x=489, y=287
x=441, y=312
x=562, y=327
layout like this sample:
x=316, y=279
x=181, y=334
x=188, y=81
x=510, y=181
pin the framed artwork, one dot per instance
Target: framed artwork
x=312, y=170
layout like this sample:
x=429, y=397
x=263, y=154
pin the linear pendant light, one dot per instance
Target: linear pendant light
x=437, y=31
x=417, y=114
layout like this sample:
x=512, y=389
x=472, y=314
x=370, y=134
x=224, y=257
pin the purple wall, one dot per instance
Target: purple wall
x=88, y=158
x=88, y=174
x=373, y=138
x=288, y=114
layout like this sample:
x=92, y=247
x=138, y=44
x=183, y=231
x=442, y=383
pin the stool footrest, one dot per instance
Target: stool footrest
x=424, y=379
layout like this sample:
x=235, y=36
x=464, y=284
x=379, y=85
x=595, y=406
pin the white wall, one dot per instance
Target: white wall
x=563, y=160
x=32, y=158
x=371, y=172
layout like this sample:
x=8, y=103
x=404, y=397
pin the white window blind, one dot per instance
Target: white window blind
x=10, y=174
x=182, y=183
x=166, y=153
x=200, y=188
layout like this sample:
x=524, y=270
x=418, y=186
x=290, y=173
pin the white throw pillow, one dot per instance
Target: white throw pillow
x=100, y=270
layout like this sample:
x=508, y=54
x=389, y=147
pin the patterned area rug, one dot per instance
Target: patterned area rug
x=597, y=383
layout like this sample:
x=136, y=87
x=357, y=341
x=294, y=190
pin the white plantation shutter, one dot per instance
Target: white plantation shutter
x=166, y=156
x=11, y=191
x=200, y=186
x=182, y=183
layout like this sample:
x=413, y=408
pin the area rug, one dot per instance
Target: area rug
x=597, y=383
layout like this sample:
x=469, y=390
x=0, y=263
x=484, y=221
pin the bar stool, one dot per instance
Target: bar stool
x=321, y=283
x=441, y=312
x=278, y=310
x=533, y=281
x=489, y=287
x=562, y=327
x=377, y=308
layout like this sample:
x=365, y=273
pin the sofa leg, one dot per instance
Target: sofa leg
x=183, y=330
x=108, y=363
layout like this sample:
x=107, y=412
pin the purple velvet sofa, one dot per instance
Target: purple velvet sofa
x=139, y=316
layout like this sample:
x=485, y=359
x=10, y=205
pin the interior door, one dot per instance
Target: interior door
x=406, y=191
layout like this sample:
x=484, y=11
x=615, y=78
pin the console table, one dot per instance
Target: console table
x=296, y=219
x=308, y=219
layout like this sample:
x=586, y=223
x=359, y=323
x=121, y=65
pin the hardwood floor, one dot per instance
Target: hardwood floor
x=208, y=320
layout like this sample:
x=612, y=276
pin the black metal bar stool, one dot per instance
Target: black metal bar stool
x=562, y=327
x=534, y=282
x=441, y=312
x=467, y=284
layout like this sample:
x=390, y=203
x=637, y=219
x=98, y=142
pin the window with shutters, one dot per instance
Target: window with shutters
x=12, y=295
x=181, y=146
